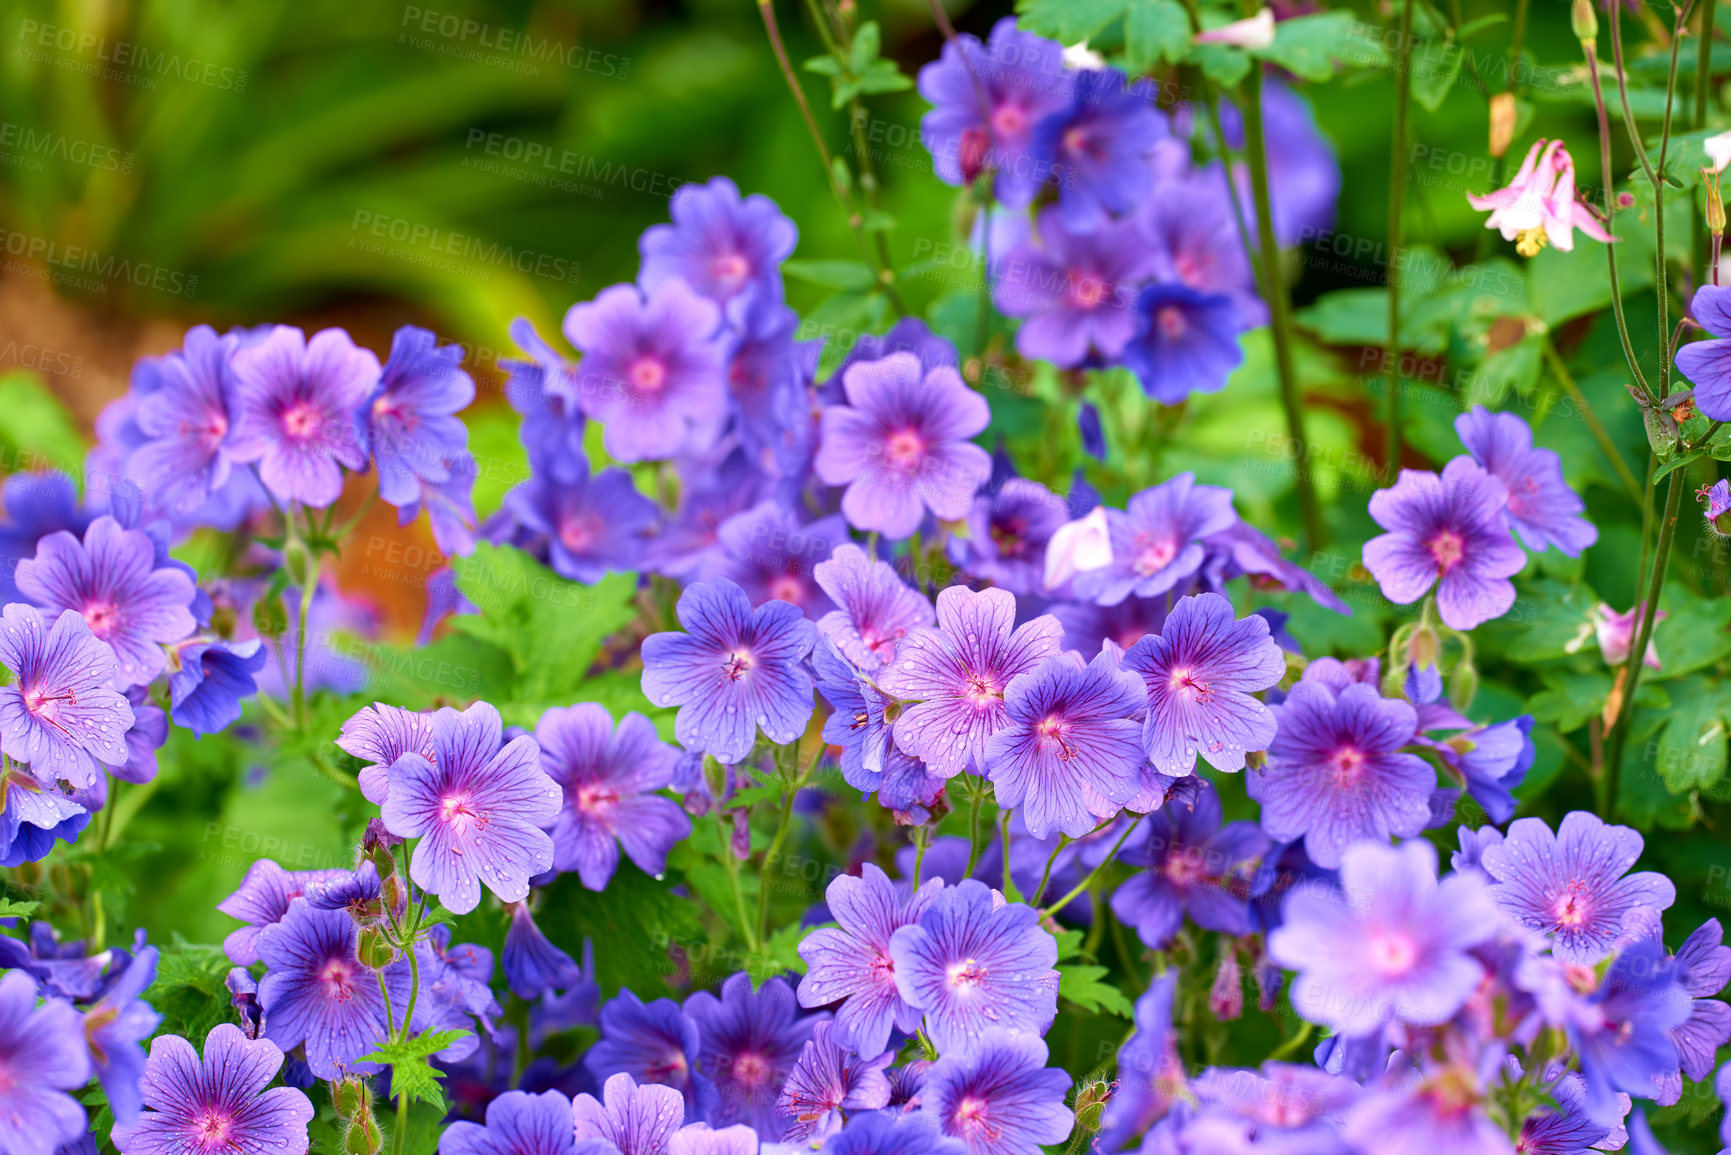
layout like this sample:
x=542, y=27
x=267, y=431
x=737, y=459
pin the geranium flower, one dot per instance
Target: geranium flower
x=218, y=1103
x=1156, y=540
x=876, y=609
x=750, y=1042
x=60, y=714
x=1542, y=508
x=726, y=248
x=998, y=1097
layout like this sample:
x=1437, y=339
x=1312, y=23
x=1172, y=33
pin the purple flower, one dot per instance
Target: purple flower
x=608, y=781
x=1008, y=532
x=700, y=1139
x=750, y=1041
x=43, y=1053
x=1190, y=865
x=534, y=965
x=1622, y=1036
x=1392, y=945
x=651, y=369
x=213, y=677
x=957, y=674
x=827, y=1080
x=768, y=378
x=1492, y=760
x=477, y=809
x=1703, y=969
x=1185, y=342
x=1448, y=531
x=986, y=103
x=36, y=505
x=909, y=788
x=1242, y=549
x=1088, y=625
x=998, y=1097
x=1157, y=539
x=688, y=547
x=1567, y=1129
x=113, y=580
x=186, y=420
x=1303, y=175
x=772, y=555
x=296, y=411
x=114, y=1026
x=593, y=525
x=1708, y=363
x=317, y=991
x=908, y=335
x=218, y=1103
x=411, y=418
x=653, y=1043
x=60, y=714
x=261, y=901
x=455, y=992
x=1077, y=290
x=636, y=1120
x=1069, y=752
x=1336, y=772
x=1717, y=498
x=736, y=669
x=1100, y=147
x=33, y=817
x=729, y=250
x=1542, y=508
x=1196, y=240
x=1296, y=1108
x=901, y=446
x=875, y=608
x=856, y=722
x=890, y=1133
x=518, y=1123
x=378, y=735
x=851, y=964
x=1573, y=885
x=972, y=962
x=1442, y=1113
x=1201, y=670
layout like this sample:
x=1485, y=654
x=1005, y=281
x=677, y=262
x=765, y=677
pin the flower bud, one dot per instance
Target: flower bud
x=1226, y=996
x=975, y=146
x=1091, y=1103
x=362, y=1136
x=1463, y=685
x=1584, y=22
x=373, y=949
x=1502, y=122
x=1715, y=205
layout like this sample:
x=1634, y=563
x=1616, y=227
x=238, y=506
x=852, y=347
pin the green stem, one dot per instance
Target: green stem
x=922, y=836
x=731, y=866
x=1279, y=306
x=1092, y=874
x=1046, y=875
x=1594, y=425
x=983, y=322
x=399, y=1142
x=978, y=790
x=1661, y=284
x=1004, y=826
x=788, y=793
x=1703, y=84
x=1291, y=1045
x=1647, y=612
x=1635, y=143
x=1607, y=179
x=1396, y=195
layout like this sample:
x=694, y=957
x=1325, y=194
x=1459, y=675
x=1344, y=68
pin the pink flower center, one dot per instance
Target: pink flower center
x=729, y=269
x=1447, y=547
x=751, y=1070
x=664, y=1071
x=1053, y=731
x=210, y=432
x=301, y=421
x=971, y=1119
x=1572, y=908
x=1076, y=139
x=787, y=588
x=647, y=374
x=980, y=690
x=963, y=977
x=213, y=1129
x=1184, y=683
x=337, y=978
x=1171, y=320
x=736, y=665
x=595, y=799
x=1188, y=268
x=1009, y=121
x=458, y=810
x=883, y=970
x=1154, y=554
x=1392, y=953
x=1348, y=763
x=905, y=450
x=579, y=533
x=1087, y=292
x=45, y=706
x=1184, y=865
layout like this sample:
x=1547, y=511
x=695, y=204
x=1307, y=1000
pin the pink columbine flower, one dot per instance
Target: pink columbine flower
x=1253, y=34
x=1540, y=204
x=1616, y=633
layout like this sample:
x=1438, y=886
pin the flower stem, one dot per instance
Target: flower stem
x=1092, y=874
x=788, y=793
x=1594, y=425
x=1646, y=612
x=1396, y=196
x=1279, y=305
x=1607, y=179
x=731, y=866
x=1046, y=875
x=979, y=796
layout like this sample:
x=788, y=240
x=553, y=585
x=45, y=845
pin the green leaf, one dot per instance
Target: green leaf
x=1068, y=20
x=1515, y=368
x=1558, y=621
x=1221, y=63
x=10, y=909
x=189, y=991
x=1155, y=30
x=1689, y=753
x=1360, y=317
x=1692, y=634
x=38, y=432
x=631, y=924
x=1436, y=68
x=779, y=955
x=1309, y=46
x=1080, y=983
x=411, y=1074
x=855, y=276
x=1571, y=700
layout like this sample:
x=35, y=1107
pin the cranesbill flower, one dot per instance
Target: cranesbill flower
x=297, y=406
x=1150, y=1073
x=1195, y=238
x=653, y=1043
x=1336, y=772
x=608, y=780
x=1190, y=865
x=113, y=580
x=1392, y=946
x=851, y=964
x=1574, y=885
x=972, y=962
x=1703, y=969
x=456, y=992
x=1157, y=539
x=768, y=378
x=1492, y=761
x=262, y=899
x=1567, y=1129
x=114, y=1026
x=856, y=721
x=1068, y=754
x=636, y=1120
x=1185, y=341
x=957, y=674
x=689, y=548
x=1539, y=204
x=1542, y=508
x=186, y=419
x=593, y=525
x=827, y=1080
x=36, y=504
x=901, y=446
x=1008, y=532
x=219, y=1103
x=875, y=608
x=411, y=417
x=737, y=669
x=701, y=1139
x=651, y=369
x=998, y=1097
x=60, y=714
x=908, y=335
x=33, y=817
x=986, y=103
x=317, y=991
x=909, y=789
x=477, y=809
x=1201, y=670
x=1449, y=532
x=750, y=1041
x=378, y=735
x=728, y=249
x=1077, y=291
x=1089, y=625
x=1244, y=549
x=518, y=1123
x=213, y=677
x=1622, y=1036
x=533, y=964
x=890, y=1133
x=1441, y=1110
x=1708, y=363
x=1099, y=147
x=773, y=555
x=42, y=1051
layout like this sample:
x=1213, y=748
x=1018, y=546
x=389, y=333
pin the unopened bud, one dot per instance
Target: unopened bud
x=363, y=1137
x=1584, y=21
x=353, y=1098
x=1463, y=685
x=1226, y=996
x=1502, y=122
x=1091, y=1103
x=373, y=949
x=1715, y=205
x=975, y=146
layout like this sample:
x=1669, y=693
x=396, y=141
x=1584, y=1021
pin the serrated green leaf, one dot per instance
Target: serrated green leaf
x=779, y=955
x=1080, y=984
x=10, y=909
x=411, y=1074
x=1221, y=63
x=1309, y=46
x=856, y=276
x=1155, y=30
x=1693, y=633
x=1571, y=699
x=1688, y=753
x=1068, y=21
x=1436, y=68
x=632, y=923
